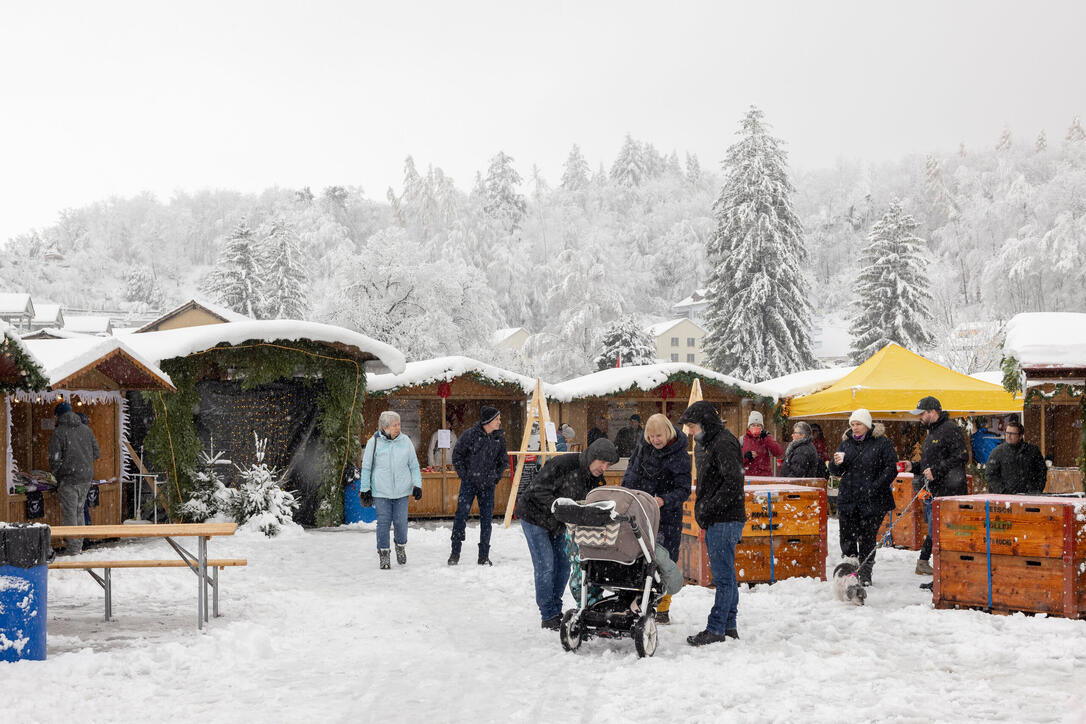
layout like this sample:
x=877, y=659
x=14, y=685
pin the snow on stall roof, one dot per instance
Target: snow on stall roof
x=15, y=303
x=170, y=343
x=46, y=314
x=644, y=377
x=806, y=382
x=1047, y=339
x=61, y=358
x=442, y=369
x=12, y=334
x=87, y=324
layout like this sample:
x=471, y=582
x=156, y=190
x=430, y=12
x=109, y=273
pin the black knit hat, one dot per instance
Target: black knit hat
x=487, y=414
x=62, y=409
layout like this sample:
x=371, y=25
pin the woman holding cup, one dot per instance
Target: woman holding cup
x=867, y=464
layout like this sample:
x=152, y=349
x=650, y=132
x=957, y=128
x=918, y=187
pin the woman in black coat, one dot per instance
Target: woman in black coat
x=867, y=464
x=660, y=466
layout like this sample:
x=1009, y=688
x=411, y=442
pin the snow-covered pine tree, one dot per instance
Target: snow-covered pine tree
x=503, y=203
x=629, y=167
x=259, y=498
x=575, y=172
x=892, y=288
x=285, y=281
x=1075, y=134
x=235, y=280
x=1042, y=141
x=140, y=285
x=693, y=170
x=1004, y=143
x=209, y=495
x=627, y=339
x=759, y=317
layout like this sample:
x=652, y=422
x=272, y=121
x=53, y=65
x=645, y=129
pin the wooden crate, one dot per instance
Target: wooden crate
x=1029, y=550
x=694, y=559
x=910, y=528
x=784, y=510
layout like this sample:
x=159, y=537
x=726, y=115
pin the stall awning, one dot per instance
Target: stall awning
x=890, y=383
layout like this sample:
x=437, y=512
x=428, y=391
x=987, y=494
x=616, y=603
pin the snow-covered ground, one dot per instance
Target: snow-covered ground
x=313, y=631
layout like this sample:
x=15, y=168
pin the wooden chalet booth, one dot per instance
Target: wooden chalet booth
x=92, y=374
x=455, y=388
x=1045, y=357
x=648, y=389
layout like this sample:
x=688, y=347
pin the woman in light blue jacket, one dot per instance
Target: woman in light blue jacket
x=390, y=472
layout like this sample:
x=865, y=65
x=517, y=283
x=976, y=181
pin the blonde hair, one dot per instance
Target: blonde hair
x=657, y=424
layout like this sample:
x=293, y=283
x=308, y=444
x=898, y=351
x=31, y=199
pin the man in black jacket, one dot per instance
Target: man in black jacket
x=1016, y=467
x=627, y=438
x=480, y=457
x=72, y=452
x=720, y=510
x=570, y=475
x=942, y=466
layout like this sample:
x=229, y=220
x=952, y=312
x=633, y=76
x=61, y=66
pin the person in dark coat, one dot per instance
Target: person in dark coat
x=480, y=457
x=660, y=466
x=570, y=475
x=72, y=452
x=720, y=510
x=867, y=464
x=628, y=437
x=1016, y=467
x=943, y=457
x=600, y=430
x=801, y=459
x=759, y=447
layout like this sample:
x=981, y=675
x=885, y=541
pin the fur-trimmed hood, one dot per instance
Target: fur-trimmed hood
x=878, y=430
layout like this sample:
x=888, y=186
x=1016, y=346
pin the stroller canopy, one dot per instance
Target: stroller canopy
x=642, y=508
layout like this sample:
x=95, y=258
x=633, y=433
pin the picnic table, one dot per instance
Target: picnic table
x=198, y=563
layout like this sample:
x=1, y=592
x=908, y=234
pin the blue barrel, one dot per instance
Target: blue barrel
x=24, y=575
x=353, y=512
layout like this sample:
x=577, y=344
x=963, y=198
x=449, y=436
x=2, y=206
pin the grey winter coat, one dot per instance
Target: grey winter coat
x=72, y=451
x=801, y=460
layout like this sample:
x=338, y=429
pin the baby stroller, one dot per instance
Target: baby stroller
x=615, y=531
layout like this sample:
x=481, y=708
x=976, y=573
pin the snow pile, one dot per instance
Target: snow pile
x=643, y=377
x=806, y=382
x=1047, y=339
x=443, y=369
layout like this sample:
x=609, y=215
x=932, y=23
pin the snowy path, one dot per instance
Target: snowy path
x=313, y=631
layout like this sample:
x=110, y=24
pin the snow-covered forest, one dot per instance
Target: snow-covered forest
x=437, y=264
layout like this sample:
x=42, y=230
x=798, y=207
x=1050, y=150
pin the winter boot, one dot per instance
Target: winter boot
x=923, y=568
x=484, y=557
x=385, y=562
x=401, y=554
x=705, y=637
x=454, y=558
x=864, y=574
x=552, y=624
x=663, y=618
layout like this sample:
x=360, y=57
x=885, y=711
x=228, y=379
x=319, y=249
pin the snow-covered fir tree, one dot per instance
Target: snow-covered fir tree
x=235, y=282
x=759, y=317
x=1075, y=133
x=1042, y=141
x=140, y=285
x=259, y=499
x=209, y=495
x=576, y=170
x=892, y=288
x=285, y=280
x=626, y=339
x=503, y=203
x=629, y=167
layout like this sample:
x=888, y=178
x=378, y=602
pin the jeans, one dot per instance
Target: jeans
x=468, y=493
x=551, y=567
x=391, y=511
x=925, y=550
x=73, y=496
x=720, y=540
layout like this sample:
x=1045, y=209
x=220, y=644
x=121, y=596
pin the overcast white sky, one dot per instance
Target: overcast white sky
x=113, y=98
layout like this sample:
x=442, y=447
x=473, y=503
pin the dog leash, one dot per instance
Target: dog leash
x=890, y=530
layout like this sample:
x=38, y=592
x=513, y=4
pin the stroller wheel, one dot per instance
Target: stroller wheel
x=571, y=631
x=644, y=635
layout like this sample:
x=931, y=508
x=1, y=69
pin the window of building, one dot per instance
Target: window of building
x=674, y=341
x=689, y=358
x=674, y=357
x=690, y=341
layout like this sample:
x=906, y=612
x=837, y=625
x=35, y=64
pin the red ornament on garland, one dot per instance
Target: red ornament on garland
x=665, y=391
x=444, y=389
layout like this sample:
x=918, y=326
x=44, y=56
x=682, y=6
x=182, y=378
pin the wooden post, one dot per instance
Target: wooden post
x=1044, y=450
x=4, y=482
x=695, y=396
x=444, y=475
x=537, y=412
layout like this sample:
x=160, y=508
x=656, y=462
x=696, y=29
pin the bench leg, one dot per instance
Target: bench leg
x=215, y=593
x=109, y=594
x=201, y=586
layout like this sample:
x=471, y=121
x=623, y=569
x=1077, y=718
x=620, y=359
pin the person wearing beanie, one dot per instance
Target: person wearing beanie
x=480, y=458
x=570, y=475
x=72, y=452
x=759, y=447
x=801, y=459
x=867, y=464
x=720, y=510
x=943, y=457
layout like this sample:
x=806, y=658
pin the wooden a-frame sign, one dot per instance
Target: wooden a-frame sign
x=537, y=413
x=695, y=396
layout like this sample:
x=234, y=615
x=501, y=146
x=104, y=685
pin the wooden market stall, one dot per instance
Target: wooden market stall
x=617, y=393
x=91, y=374
x=453, y=388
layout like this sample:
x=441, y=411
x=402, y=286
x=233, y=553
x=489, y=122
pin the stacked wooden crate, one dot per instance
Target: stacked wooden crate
x=1010, y=553
x=784, y=536
x=910, y=528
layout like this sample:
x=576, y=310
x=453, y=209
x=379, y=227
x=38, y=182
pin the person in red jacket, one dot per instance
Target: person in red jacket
x=759, y=447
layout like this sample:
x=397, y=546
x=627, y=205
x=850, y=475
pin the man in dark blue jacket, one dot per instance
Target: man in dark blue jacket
x=480, y=457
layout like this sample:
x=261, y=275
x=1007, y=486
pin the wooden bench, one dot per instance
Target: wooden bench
x=106, y=580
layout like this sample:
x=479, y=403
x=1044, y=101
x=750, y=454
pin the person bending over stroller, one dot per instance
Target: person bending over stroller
x=566, y=476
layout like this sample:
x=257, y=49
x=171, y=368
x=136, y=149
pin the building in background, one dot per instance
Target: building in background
x=678, y=340
x=693, y=307
x=17, y=310
x=510, y=338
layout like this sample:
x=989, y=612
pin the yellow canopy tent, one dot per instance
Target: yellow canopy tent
x=893, y=380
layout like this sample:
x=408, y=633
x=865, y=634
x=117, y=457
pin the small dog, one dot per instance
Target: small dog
x=846, y=584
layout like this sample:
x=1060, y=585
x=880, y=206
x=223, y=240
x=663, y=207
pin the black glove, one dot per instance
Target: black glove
x=748, y=456
x=764, y=432
x=367, y=499
x=416, y=493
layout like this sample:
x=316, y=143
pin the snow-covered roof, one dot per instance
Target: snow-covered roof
x=1047, y=339
x=11, y=333
x=54, y=333
x=223, y=313
x=806, y=382
x=697, y=299
x=87, y=324
x=503, y=334
x=170, y=343
x=993, y=377
x=644, y=377
x=47, y=315
x=14, y=303
x=443, y=369
x=662, y=327
x=62, y=358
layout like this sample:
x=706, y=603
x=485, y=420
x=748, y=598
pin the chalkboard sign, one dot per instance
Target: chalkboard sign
x=527, y=476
